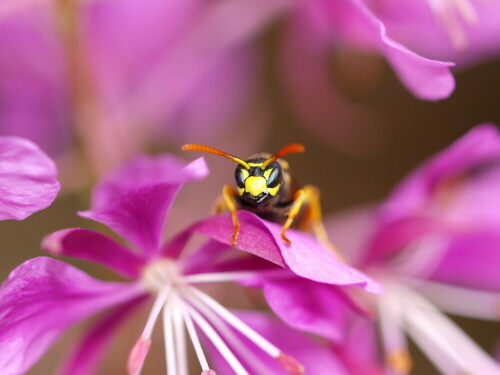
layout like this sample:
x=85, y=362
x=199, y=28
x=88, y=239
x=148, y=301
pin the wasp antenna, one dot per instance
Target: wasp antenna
x=289, y=149
x=214, y=151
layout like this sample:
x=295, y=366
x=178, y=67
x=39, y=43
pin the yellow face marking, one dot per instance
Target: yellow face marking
x=241, y=191
x=273, y=191
x=267, y=173
x=244, y=174
x=255, y=185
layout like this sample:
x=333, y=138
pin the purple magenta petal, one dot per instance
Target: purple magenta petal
x=253, y=237
x=472, y=260
x=316, y=357
x=40, y=300
x=480, y=145
x=89, y=352
x=415, y=209
x=360, y=351
x=425, y=78
x=95, y=247
x=313, y=307
x=414, y=24
x=306, y=257
x=135, y=200
x=27, y=178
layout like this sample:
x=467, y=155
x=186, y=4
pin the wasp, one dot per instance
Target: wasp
x=265, y=186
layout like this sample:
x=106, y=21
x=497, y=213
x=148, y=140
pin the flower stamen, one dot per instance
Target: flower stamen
x=195, y=340
x=168, y=332
x=141, y=347
x=217, y=341
x=217, y=277
x=289, y=363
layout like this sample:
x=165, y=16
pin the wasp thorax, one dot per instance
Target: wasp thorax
x=257, y=185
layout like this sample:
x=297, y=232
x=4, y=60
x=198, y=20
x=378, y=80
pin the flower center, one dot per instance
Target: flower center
x=160, y=274
x=187, y=309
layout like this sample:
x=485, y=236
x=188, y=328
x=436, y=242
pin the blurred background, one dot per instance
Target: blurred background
x=71, y=76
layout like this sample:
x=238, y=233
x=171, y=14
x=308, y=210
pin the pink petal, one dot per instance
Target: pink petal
x=413, y=24
x=28, y=178
x=480, y=145
x=95, y=247
x=360, y=351
x=425, y=78
x=305, y=257
x=40, y=300
x=135, y=200
x=313, y=307
x=413, y=210
x=472, y=260
x=33, y=76
x=86, y=356
x=336, y=120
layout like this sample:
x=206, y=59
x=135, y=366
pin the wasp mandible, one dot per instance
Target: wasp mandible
x=265, y=186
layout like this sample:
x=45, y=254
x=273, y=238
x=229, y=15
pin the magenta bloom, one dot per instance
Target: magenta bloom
x=28, y=179
x=119, y=77
x=317, y=25
x=314, y=31
x=459, y=31
x=435, y=244
x=134, y=202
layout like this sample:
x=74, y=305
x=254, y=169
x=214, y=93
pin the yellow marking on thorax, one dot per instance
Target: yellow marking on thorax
x=255, y=185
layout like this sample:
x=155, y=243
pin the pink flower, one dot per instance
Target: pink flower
x=460, y=31
x=119, y=77
x=134, y=202
x=435, y=245
x=317, y=29
x=28, y=179
x=317, y=25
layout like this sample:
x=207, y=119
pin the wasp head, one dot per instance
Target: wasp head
x=256, y=185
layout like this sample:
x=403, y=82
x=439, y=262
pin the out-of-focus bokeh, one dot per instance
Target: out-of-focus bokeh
x=61, y=80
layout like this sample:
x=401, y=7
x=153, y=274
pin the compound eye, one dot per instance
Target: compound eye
x=275, y=177
x=240, y=175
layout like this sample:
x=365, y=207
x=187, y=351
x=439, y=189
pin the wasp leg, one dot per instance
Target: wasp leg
x=219, y=207
x=313, y=217
x=228, y=195
x=298, y=201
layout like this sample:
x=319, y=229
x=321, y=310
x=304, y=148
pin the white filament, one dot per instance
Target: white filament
x=236, y=322
x=194, y=339
x=168, y=332
x=217, y=341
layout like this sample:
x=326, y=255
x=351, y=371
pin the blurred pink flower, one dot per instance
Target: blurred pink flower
x=435, y=246
x=43, y=297
x=314, y=30
x=118, y=76
x=462, y=31
x=323, y=23
x=28, y=179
